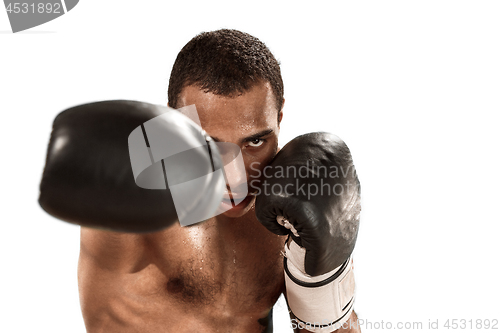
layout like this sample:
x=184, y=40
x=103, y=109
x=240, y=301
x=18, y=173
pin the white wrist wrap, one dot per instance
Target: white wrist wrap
x=322, y=303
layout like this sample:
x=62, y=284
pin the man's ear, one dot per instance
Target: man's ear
x=280, y=116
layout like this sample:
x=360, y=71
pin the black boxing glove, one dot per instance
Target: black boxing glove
x=105, y=168
x=311, y=192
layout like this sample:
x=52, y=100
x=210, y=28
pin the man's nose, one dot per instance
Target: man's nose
x=235, y=175
x=234, y=168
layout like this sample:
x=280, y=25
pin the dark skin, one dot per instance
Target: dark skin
x=221, y=275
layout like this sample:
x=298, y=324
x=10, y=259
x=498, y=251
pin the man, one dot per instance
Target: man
x=223, y=274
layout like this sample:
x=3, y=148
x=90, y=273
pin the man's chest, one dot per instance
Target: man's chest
x=235, y=263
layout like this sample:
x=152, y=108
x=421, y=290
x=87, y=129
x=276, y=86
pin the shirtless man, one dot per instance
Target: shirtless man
x=223, y=274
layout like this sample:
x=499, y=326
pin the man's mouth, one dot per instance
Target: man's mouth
x=233, y=196
x=235, y=201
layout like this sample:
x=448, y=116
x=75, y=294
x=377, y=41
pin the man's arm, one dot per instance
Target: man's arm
x=317, y=203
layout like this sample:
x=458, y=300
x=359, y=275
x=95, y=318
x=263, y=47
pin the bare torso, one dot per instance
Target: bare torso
x=223, y=275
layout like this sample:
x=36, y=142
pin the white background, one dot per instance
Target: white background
x=413, y=87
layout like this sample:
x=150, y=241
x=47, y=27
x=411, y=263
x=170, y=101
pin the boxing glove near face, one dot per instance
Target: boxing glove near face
x=90, y=180
x=312, y=183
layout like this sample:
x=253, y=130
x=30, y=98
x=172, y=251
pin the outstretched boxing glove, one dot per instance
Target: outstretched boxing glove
x=311, y=192
x=130, y=166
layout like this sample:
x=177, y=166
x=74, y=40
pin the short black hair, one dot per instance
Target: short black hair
x=225, y=62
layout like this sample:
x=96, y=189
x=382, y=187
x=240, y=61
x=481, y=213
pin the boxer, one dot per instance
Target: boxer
x=141, y=271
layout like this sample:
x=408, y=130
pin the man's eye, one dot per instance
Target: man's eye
x=255, y=142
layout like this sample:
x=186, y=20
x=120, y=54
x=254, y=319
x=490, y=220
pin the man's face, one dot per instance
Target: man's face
x=248, y=120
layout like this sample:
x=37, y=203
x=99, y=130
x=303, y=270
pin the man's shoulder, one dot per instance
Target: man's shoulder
x=111, y=250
